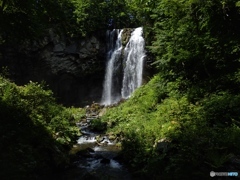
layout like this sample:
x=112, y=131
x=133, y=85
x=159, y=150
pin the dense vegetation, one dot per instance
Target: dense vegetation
x=168, y=136
x=31, y=18
x=36, y=133
x=184, y=123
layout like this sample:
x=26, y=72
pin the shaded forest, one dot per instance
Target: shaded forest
x=183, y=123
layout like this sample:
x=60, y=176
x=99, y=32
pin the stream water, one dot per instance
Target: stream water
x=97, y=157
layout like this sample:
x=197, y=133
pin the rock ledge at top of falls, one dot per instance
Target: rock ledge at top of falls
x=126, y=34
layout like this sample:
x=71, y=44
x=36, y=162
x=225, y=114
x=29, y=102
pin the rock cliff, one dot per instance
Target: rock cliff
x=72, y=67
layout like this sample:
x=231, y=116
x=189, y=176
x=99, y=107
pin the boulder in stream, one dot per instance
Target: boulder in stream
x=85, y=152
x=105, y=161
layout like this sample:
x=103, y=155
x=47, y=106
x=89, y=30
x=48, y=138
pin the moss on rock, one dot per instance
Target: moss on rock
x=126, y=34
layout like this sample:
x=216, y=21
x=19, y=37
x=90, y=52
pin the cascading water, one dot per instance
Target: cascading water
x=120, y=82
x=110, y=94
x=133, y=56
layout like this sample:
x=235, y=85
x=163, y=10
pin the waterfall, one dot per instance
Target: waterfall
x=133, y=56
x=124, y=66
x=114, y=48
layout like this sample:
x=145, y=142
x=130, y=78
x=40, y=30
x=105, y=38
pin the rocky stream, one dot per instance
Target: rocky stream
x=96, y=154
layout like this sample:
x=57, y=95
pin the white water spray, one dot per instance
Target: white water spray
x=133, y=56
x=130, y=60
x=113, y=55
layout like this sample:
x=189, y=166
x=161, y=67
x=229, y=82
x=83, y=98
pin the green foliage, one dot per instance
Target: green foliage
x=97, y=125
x=192, y=103
x=72, y=17
x=36, y=133
x=33, y=17
x=198, y=137
x=91, y=15
x=222, y=109
x=196, y=43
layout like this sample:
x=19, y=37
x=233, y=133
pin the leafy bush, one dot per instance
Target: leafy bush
x=36, y=133
x=198, y=138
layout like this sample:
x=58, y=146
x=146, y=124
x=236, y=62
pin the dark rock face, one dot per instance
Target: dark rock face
x=126, y=34
x=73, y=68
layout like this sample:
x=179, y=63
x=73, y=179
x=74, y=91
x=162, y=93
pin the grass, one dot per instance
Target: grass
x=196, y=130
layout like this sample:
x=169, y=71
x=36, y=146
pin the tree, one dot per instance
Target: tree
x=197, y=42
x=26, y=19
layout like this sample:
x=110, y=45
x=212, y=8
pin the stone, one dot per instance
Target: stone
x=71, y=49
x=84, y=153
x=90, y=150
x=126, y=34
x=162, y=145
x=99, y=138
x=58, y=48
x=102, y=112
x=105, y=161
x=111, y=137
